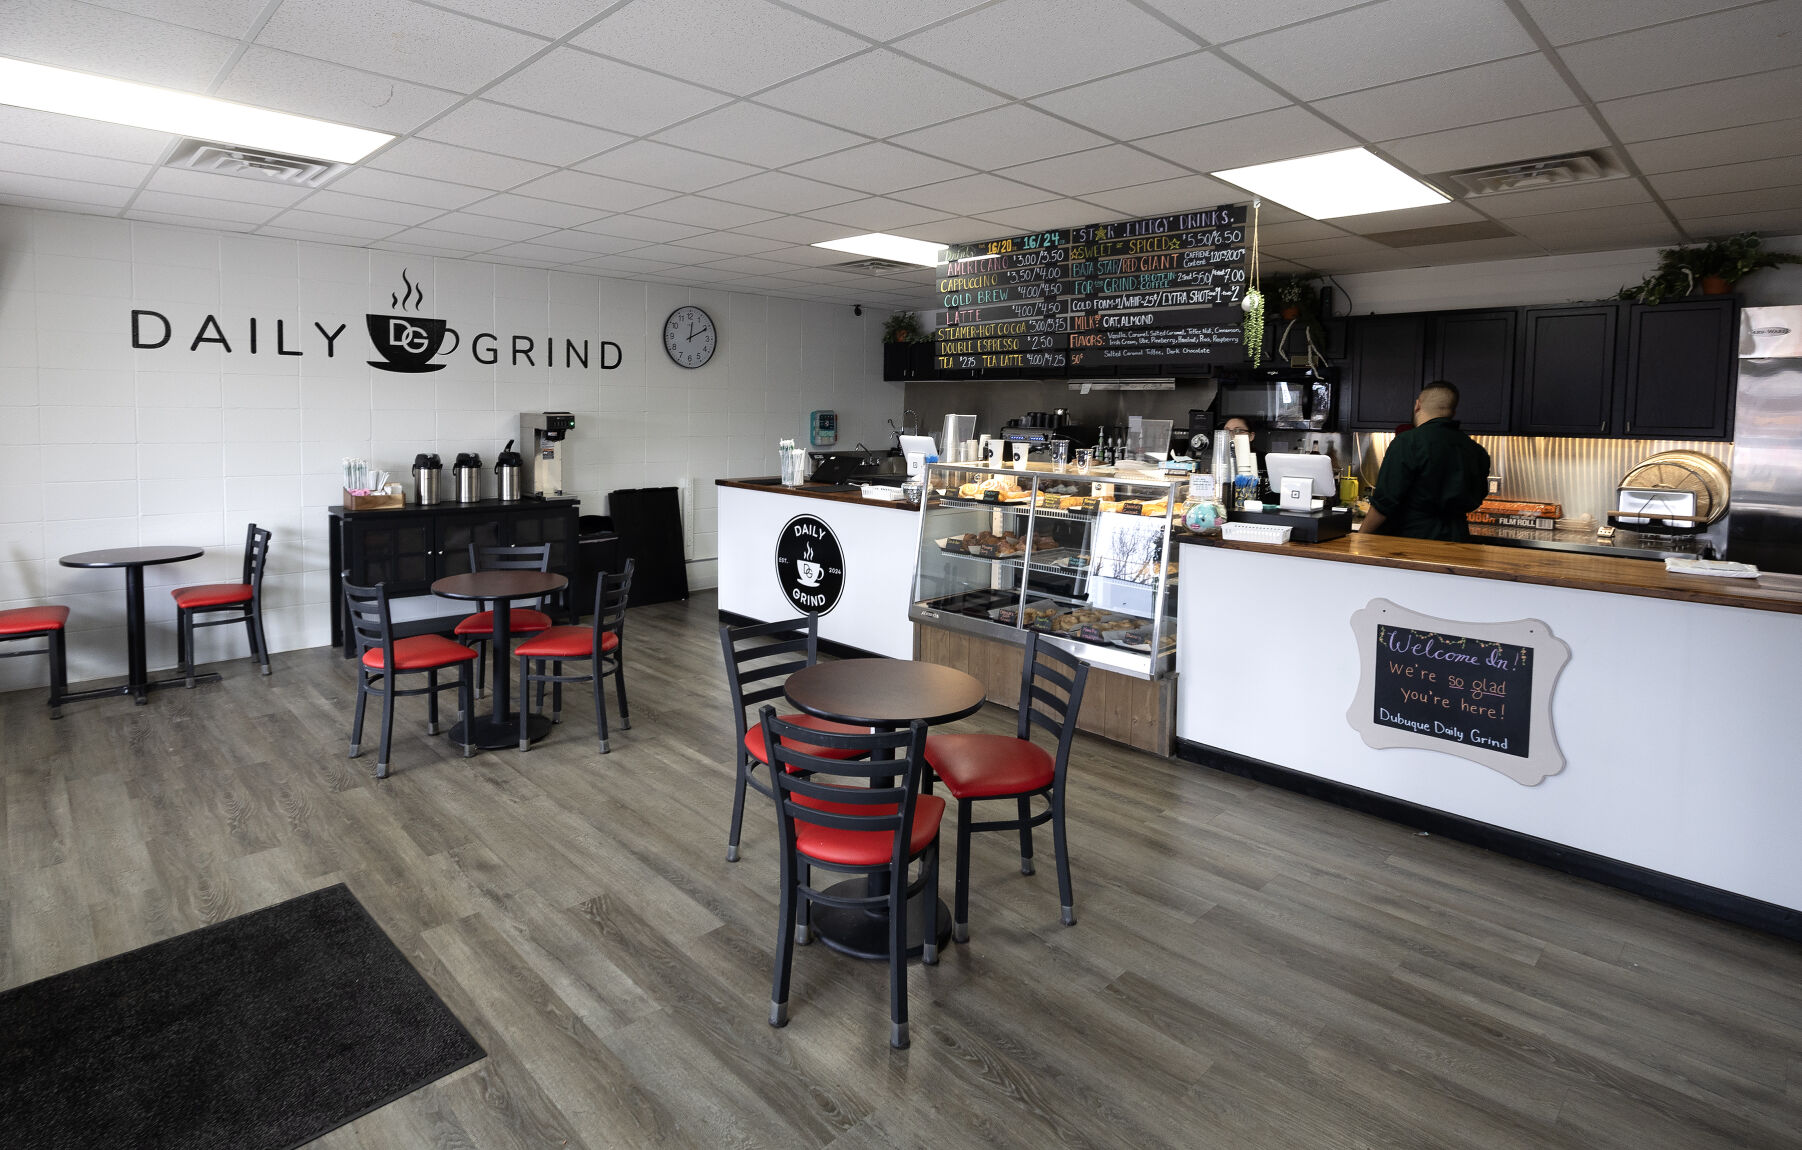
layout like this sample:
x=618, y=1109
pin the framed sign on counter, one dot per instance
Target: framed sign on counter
x=1481, y=691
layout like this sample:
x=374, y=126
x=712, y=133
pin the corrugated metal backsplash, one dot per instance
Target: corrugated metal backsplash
x=1581, y=474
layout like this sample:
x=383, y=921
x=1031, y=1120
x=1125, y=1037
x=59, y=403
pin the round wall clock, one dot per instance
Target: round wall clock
x=689, y=336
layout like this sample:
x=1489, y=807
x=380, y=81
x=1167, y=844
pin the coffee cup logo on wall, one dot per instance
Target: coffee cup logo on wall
x=406, y=340
x=810, y=565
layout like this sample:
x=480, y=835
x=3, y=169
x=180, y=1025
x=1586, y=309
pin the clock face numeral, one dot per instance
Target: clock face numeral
x=689, y=336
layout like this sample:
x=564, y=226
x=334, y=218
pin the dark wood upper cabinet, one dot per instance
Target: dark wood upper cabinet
x=1476, y=351
x=1680, y=370
x=1388, y=355
x=1568, y=370
x=916, y=359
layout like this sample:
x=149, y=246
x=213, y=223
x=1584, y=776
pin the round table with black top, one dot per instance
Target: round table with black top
x=887, y=694
x=500, y=729
x=134, y=559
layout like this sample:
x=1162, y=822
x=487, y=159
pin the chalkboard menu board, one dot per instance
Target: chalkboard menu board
x=1481, y=691
x=1163, y=290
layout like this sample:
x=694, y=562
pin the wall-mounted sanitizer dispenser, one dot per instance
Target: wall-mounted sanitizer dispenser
x=823, y=428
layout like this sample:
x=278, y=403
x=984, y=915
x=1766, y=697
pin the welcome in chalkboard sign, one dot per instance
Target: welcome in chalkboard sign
x=1478, y=690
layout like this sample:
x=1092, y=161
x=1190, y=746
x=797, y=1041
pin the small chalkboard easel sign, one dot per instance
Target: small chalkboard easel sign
x=1482, y=691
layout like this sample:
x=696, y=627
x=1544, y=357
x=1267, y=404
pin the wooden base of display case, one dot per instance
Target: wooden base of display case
x=1138, y=712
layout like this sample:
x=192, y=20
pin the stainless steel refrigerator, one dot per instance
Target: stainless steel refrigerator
x=1764, y=524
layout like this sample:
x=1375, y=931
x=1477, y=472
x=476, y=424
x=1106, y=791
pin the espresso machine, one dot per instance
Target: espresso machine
x=543, y=436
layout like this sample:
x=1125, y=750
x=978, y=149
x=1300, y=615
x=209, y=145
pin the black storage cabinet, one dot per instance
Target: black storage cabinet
x=410, y=548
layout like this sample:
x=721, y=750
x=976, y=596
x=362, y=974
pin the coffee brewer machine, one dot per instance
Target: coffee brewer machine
x=542, y=434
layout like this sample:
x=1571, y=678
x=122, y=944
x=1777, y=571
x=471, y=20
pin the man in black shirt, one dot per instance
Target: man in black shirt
x=1432, y=475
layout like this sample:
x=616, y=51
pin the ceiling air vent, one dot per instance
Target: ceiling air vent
x=1544, y=172
x=875, y=267
x=231, y=160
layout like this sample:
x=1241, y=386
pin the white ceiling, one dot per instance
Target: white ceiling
x=711, y=141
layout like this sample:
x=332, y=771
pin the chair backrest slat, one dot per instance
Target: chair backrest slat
x=760, y=641
x=256, y=557
x=610, y=595
x=1052, y=681
x=524, y=557
x=798, y=777
x=366, y=609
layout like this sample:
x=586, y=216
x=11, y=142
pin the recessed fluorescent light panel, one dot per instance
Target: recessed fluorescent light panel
x=887, y=247
x=1348, y=183
x=183, y=113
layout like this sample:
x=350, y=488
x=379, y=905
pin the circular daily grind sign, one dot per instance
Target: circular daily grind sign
x=809, y=565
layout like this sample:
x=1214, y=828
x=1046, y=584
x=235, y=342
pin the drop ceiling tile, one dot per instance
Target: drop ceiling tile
x=730, y=243
x=237, y=211
x=706, y=213
x=739, y=45
x=781, y=192
x=336, y=225
x=509, y=131
x=1501, y=89
x=1565, y=23
x=628, y=265
x=1502, y=142
x=758, y=135
x=794, y=230
x=551, y=18
x=662, y=166
x=339, y=203
x=750, y=266
x=877, y=214
x=1430, y=216
x=210, y=223
x=1166, y=196
x=1048, y=216
x=1001, y=137
x=1593, y=229
x=1218, y=21
x=1782, y=222
x=336, y=239
x=437, y=161
x=672, y=256
x=1297, y=232
x=1328, y=247
x=1781, y=172
x=1756, y=38
x=878, y=168
x=399, y=38
x=973, y=195
x=489, y=227
x=1024, y=47
x=1730, y=103
x=539, y=253
x=641, y=229
x=230, y=18
x=1281, y=134
x=587, y=244
x=591, y=191
x=860, y=94
x=419, y=248
x=1723, y=146
x=805, y=254
x=75, y=134
x=1096, y=170
x=72, y=166
x=1574, y=197
x=1144, y=102
x=525, y=209
x=1472, y=251
x=441, y=239
x=191, y=183
x=406, y=189
x=1383, y=43
x=112, y=43
x=1774, y=199
x=950, y=230
x=605, y=93
x=884, y=21
x=289, y=83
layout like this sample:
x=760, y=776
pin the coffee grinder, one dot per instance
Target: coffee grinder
x=543, y=434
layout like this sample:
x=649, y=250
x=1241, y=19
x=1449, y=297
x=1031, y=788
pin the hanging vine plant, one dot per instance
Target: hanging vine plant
x=1253, y=303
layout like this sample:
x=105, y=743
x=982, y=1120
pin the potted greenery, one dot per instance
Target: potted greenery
x=1711, y=268
x=1294, y=297
x=902, y=327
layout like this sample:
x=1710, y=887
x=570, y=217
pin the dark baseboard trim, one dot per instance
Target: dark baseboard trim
x=1679, y=892
x=827, y=646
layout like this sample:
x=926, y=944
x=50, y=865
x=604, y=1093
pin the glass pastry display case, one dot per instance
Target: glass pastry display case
x=1083, y=557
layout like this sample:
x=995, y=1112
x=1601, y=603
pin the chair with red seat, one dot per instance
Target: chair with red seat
x=477, y=630
x=382, y=658
x=983, y=768
x=752, y=679
x=877, y=828
x=21, y=623
x=602, y=643
x=232, y=602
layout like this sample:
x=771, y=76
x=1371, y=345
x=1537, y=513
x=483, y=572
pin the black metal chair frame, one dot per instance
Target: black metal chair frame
x=610, y=595
x=524, y=557
x=794, y=772
x=54, y=646
x=256, y=558
x=1041, y=708
x=366, y=613
x=750, y=644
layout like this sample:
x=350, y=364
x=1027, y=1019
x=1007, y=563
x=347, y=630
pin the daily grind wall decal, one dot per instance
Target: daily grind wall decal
x=1163, y=290
x=1482, y=691
x=406, y=341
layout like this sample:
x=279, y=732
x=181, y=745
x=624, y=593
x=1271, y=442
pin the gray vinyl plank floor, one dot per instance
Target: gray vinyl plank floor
x=1250, y=968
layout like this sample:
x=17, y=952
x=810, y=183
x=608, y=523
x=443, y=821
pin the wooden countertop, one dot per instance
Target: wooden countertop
x=813, y=491
x=1551, y=568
